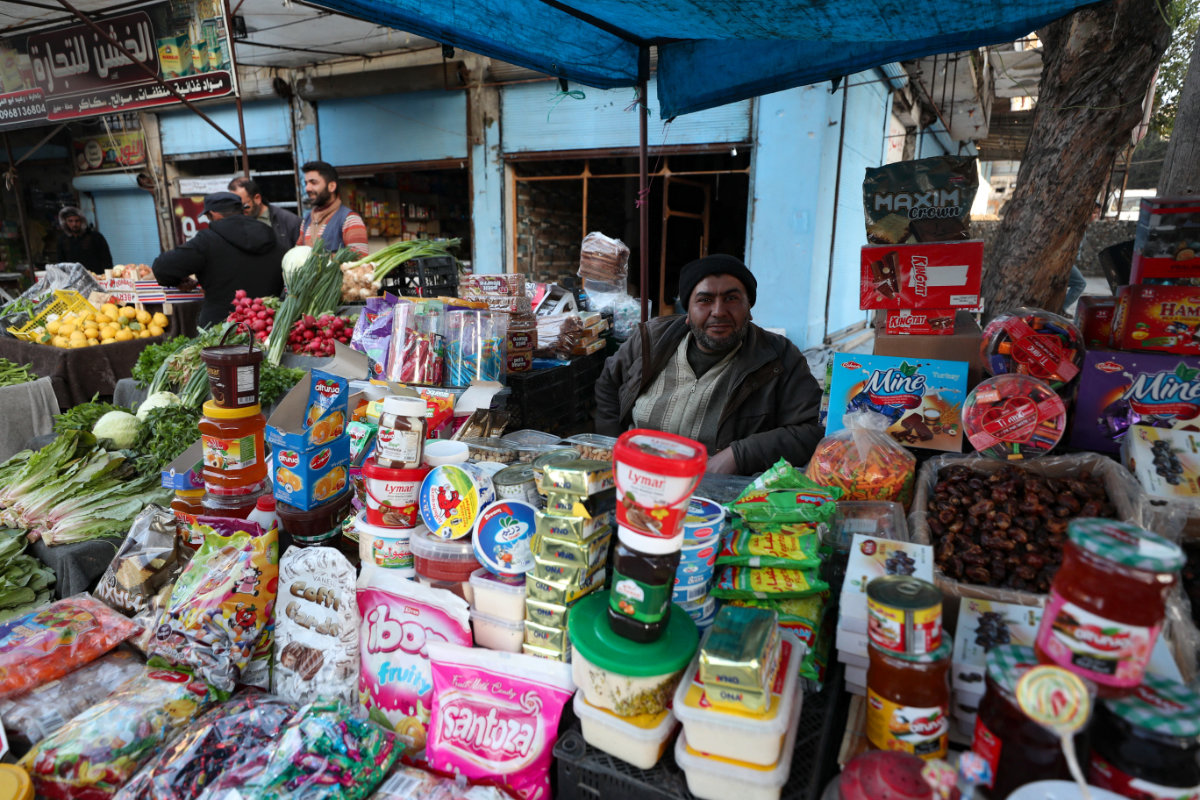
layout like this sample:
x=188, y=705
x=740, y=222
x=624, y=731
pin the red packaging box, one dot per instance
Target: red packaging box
x=1163, y=318
x=1167, y=243
x=933, y=275
x=1094, y=318
x=928, y=322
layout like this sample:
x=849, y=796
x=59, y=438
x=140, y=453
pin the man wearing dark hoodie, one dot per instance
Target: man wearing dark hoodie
x=234, y=252
x=80, y=243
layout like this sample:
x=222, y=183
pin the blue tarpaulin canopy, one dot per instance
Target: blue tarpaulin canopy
x=710, y=52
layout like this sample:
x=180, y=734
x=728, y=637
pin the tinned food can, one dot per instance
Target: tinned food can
x=904, y=615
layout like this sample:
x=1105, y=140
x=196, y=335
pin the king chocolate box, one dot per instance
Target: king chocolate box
x=936, y=275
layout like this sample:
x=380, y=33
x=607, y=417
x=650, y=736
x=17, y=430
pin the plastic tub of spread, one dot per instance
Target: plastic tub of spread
x=593, y=446
x=712, y=777
x=445, y=451
x=233, y=373
x=703, y=521
x=502, y=598
x=389, y=548
x=497, y=634
x=317, y=526
x=502, y=536
x=451, y=498
x=392, y=495
x=655, y=475
x=626, y=677
x=490, y=449
x=443, y=560
x=461, y=589
x=740, y=735
x=640, y=741
x=15, y=783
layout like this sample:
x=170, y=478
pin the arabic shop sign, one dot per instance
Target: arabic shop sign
x=109, y=151
x=73, y=72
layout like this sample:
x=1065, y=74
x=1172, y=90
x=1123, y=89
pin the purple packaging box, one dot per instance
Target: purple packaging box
x=1118, y=389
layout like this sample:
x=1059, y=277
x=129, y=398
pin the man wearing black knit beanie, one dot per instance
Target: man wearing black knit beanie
x=714, y=376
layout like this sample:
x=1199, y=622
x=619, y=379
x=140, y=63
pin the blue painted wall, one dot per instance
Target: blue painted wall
x=487, y=202
x=394, y=128
x=536, y=117
x=267, y=125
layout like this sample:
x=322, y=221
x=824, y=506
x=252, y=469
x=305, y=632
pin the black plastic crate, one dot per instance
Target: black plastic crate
x=585, y=773
x=434, y=276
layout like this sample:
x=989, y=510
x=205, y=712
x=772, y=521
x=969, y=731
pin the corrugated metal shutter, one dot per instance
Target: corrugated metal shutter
x=125, y=215
x=394, y=128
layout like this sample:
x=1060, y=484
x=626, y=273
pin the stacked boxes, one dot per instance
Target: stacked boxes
x=310, y=450
x=982, y=625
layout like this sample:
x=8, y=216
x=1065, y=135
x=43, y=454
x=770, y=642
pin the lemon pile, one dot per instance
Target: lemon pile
x=110, y=324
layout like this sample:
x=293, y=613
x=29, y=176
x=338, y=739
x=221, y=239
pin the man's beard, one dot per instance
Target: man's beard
x=321, y=200
x=719, y=346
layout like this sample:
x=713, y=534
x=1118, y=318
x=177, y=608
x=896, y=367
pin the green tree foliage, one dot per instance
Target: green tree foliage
x=1184, y=18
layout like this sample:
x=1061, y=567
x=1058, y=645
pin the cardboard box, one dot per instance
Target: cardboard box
x=288, y=426
x=983, y=624
x=922, y=397
x=307, y=478
x=1167, y=242
x=929, y=322
x=1164, y=318
x=1165, y=462
x=934, y=275
x=1094, y=318
x=962, y=345
x=1119, y=389
x=869, y=560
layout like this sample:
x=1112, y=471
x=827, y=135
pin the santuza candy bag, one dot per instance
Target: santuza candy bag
x=495, y=715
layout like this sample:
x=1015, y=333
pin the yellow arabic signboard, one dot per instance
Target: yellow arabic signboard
x=109, y=151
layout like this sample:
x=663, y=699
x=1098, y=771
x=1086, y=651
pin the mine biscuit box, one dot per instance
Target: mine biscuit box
x=936, y=275
x=1119, y=389
x=922, y=397
x=1167, y=243
x=1165, y=318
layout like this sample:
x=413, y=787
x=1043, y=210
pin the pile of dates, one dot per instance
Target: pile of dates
x=1007, y=528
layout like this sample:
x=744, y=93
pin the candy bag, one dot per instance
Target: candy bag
x=149, y=558
x=48, y=643
x=222, y=739
x=35, y=715
x=864, y=462
x=743, y=583
x=98, y=751
x=418, y=345
x=399, y=618
x=222, y=602
x=316, y=627
x=928, y=200
x=324, y=753
x=373, y=333
x=775, y=546
x=414, y=783
x=495, y=715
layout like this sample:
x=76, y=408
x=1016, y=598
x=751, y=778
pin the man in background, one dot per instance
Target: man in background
x=233, y=252
x=329, y=220
x=80, y=243
x=285, y=224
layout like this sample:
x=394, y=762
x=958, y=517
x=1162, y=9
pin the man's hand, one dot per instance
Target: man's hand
x=723, y=462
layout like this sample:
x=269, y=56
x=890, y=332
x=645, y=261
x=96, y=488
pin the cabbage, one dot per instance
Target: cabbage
x=119, y=427
x=294, y=259
x=157, y=400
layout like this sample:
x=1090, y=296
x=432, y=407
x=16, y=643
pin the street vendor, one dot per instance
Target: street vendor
x=233, y=252
x=80, y=243
x=328, y=219
x=714, y=376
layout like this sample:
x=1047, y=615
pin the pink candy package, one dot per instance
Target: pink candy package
x=495, y=715
x=399, y=619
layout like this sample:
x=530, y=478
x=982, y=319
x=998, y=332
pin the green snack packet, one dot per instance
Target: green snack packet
x=771, y=548
x=815, y=504
x=744, y=583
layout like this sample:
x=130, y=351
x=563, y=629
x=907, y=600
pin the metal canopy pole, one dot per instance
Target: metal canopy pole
x=135, y=60
x=39, y=145
x=16, y=186
x=643, y=182
x=237, y=95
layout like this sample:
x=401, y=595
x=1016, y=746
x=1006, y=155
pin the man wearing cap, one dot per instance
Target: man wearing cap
x=80, y=243
x=714, y=376
x=285, y=224
x=233, y=252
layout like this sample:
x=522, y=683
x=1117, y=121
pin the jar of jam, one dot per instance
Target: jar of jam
x=317, y=526
x=639, y=605
x=401, y=439
x=1107, y=603
x=1019, y=750
x=187, y=505
x=908, y=701
x=234, y=456
x=1147, y=746
x=221, y=501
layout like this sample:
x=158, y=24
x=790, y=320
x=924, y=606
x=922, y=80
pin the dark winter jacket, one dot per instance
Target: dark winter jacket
x=772, y=409
x=286, y=225
x=89, y=249
x=233, y=253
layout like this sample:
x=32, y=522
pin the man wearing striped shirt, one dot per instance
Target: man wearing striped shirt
x=329, y=220
x=714, y=376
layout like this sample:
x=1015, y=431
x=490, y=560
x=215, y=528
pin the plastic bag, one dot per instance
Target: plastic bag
x=602, y=258
x=766, y=583
x=495, y=715
x=46, y=644
x=413, y=783
x=222, y=739
x=783, y=494
x=626, y=310
x=149, y=558
x=418, y=346
x=35, y=715
x=97, y=752
x=474, y=346
x=373, y=333
x=927, y=200
x=222, y=602
x=864, y=462
x=786, y=547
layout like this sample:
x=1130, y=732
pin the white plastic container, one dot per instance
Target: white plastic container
x=753, y=738
x=499, y=598
x=445, y=451
x=497, y=634
x=640, y=741
x=715, y=778
x=1059, y=790
x=387, y=548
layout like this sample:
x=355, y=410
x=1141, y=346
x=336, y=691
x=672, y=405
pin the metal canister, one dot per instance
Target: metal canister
x=517, y=483
x=904, y=615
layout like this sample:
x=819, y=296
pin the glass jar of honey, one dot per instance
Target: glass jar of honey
x=234, y=453
x=908, y=701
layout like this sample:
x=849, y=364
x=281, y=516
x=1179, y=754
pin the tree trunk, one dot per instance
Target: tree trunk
x=1097, y=65
x=1181, y=166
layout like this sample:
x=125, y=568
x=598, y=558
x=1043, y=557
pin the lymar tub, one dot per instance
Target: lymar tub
x=656, y=474
x=392, y=495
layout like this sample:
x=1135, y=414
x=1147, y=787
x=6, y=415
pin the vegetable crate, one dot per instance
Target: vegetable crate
x=65, y=302
x=434, y=276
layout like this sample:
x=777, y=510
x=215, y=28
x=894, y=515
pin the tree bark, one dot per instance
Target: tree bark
x=1097, y=65
x=1181, y=165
